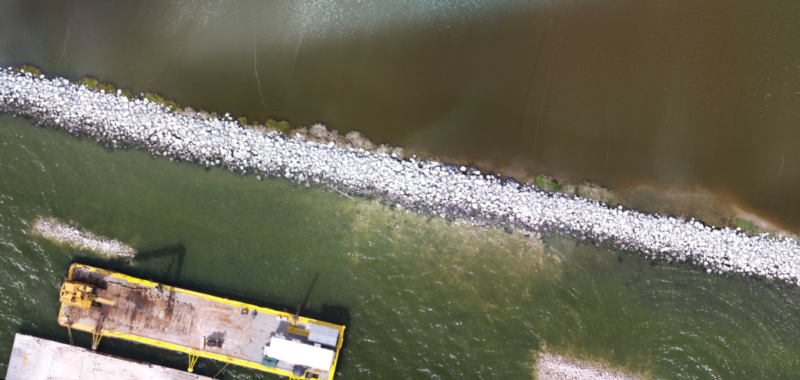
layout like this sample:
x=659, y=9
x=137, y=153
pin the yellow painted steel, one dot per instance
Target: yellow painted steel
x=297, y=331
x=192, y=351
x=82, y=295
x=192, y=361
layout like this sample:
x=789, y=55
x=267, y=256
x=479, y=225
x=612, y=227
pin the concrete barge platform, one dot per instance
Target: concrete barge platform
x=112, y=304
x=40, y=359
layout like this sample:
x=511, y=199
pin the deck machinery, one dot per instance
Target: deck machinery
x=106, y=303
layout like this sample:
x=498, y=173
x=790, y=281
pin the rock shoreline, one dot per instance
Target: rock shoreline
x=51, y=229
x=430, y=187
x=554, y=367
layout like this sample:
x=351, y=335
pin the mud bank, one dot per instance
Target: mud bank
x=52, y=230
x=431, y=187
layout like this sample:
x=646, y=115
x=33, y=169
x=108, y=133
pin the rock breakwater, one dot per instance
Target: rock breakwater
x=554, y=367
x=430, y=187
x=61, y=233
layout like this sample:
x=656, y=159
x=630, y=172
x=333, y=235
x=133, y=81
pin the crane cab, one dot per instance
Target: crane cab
x=74, y=293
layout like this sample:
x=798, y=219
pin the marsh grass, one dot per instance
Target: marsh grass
x=592, y=190
x=31, y=69
x=282, y=126
x=155, y=98
x=107, y=87
x=171, y=105
x=126, y=93
x=89, y=82
x=745, y=225
x=546, y=182
x=242, y=121
x=567, y=188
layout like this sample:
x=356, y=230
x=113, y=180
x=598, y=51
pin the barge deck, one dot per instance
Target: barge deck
x=111, y=304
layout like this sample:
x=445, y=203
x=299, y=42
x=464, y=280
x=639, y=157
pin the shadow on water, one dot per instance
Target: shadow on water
x=170, y=275
x=177, y=251
x=310, y=288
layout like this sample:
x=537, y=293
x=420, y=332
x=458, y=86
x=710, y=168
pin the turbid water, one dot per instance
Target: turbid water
x=422, y=297
x=660, y=93
x=676, y=95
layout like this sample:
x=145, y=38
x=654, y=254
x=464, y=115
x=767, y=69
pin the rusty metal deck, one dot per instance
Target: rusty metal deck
x=171, y=318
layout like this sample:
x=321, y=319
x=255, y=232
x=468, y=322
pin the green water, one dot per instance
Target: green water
x=421, y=298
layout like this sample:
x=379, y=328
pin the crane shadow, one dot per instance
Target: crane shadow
x=310, y=288
x=177, y=252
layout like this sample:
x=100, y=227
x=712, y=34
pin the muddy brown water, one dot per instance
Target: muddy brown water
x=671, y=94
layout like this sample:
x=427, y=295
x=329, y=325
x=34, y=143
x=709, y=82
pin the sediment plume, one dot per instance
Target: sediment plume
x=430, y=187
x=52, y=229
x=554, y=367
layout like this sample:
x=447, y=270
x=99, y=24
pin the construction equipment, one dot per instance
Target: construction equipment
x=198, y=324
x=213, y=343
x=74, y=293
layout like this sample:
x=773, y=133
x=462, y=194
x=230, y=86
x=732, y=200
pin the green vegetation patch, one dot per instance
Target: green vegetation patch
x=155, y=98
x=567, y=188
x=745, y=225
x=126, y=93
x=108, y=88
x=89, y=82
x=544, y=181
x=282, y=126
x=593, y=191
x=32, y=70
x=171, y=105
x=242, y=121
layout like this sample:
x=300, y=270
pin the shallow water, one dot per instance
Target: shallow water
x=670, y=94
x=422, y=297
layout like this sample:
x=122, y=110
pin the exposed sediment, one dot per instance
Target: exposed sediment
x=554, y=367
x=431, y=187
x=53, y=230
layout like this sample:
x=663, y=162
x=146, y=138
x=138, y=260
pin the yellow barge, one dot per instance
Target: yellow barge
x=107, y=303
